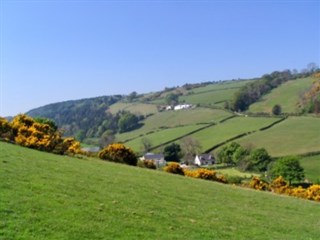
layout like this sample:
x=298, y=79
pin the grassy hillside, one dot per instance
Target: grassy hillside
x=287, y=95
x=210, y=94
x=296, y=135
x=170, y=119
x=231, y=128
x=46, y=196
x=162, y=136
x=311, y=166
x=135, y=108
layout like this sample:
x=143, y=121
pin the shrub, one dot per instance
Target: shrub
x=119, y=153
x=258, y=184
x=234, y=179
x=279, y=185
x=313, y=193
x=174, y=168
x=146, y=164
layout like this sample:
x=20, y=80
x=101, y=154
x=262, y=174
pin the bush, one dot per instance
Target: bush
x=119, y=153
x=234, y=179
x=259, y=184
x=146, y=164
x=174, y=168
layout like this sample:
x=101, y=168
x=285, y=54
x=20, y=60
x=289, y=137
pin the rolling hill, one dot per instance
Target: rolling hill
x=46, y=196
x=287, y=95
x=207, y=121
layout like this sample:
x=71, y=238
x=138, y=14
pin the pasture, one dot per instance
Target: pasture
x=295, y=135
x=135, y=108
x=287, y=95
x=46, y=196
x=171, y=119
x=231, y=128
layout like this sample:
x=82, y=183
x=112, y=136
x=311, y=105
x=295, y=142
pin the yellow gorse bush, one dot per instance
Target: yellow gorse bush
x=27, y=132
x=279, y=185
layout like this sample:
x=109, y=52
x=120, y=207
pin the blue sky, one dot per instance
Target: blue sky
x=53, y=50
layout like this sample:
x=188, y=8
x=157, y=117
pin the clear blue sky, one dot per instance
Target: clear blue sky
x=57, y=50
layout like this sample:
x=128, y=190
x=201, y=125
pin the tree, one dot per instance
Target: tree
x=276, y=110
x=172, y=152
x=119, y=153
x=259, y=160
x=225, y=155
x=128, y=122
x=172, y=99
x=132, y=96
x=287, y=167
x=190, y=147
x=106, y=139
x=146, y=144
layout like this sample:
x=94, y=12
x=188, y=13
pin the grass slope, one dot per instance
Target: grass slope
x=136, y=108
x=44, y=196
x=311, y=167
x=296, y=135
x=170, y=119
x=231, y=128
x=287, y=95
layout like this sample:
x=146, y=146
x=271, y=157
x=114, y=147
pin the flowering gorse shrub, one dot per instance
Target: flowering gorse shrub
x=205, y=174
x=146, y=164
x=279, y=185
x=117, y=152
x=174, y=168
x=37, y=134
x=258, y=184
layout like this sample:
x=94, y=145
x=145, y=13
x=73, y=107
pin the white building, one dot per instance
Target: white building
x=157, y=158
x=203, y=159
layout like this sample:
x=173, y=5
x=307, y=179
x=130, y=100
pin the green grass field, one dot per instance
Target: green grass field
x=171, y=119
x=311, y=167
x=162, y=136
x=287, y=95
x=45, y=196
x=136, y=108
x=209, y=98
x=231, y=128
x=210, y=94
x=295, y=135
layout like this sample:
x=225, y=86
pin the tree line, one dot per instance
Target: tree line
x=253, y=91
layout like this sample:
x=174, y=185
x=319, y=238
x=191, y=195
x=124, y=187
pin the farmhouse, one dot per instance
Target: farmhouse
x=203, y=159
x=157, y=158
x=182, y=106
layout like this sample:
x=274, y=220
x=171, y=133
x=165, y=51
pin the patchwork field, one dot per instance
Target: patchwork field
x=295, y=135
x=136, y=108
x=162, y=136
x=287, y=95
x=169, y=119
x=231, y=128
x=45, y=196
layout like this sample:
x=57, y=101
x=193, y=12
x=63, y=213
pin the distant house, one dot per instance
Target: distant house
x=157, y=158
x=203, y=159
x=182, y=106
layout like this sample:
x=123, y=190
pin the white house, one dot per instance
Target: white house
x=157, y=158
x=203, y=159
x=182, y=106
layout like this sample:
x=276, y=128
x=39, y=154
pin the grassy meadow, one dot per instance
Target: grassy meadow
x=45, y=196
x=295, y=135
x=287, y=95
x=162, y=136
x=311, y=167
x=171, y=119
x=135, y=108
x=231, y=128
